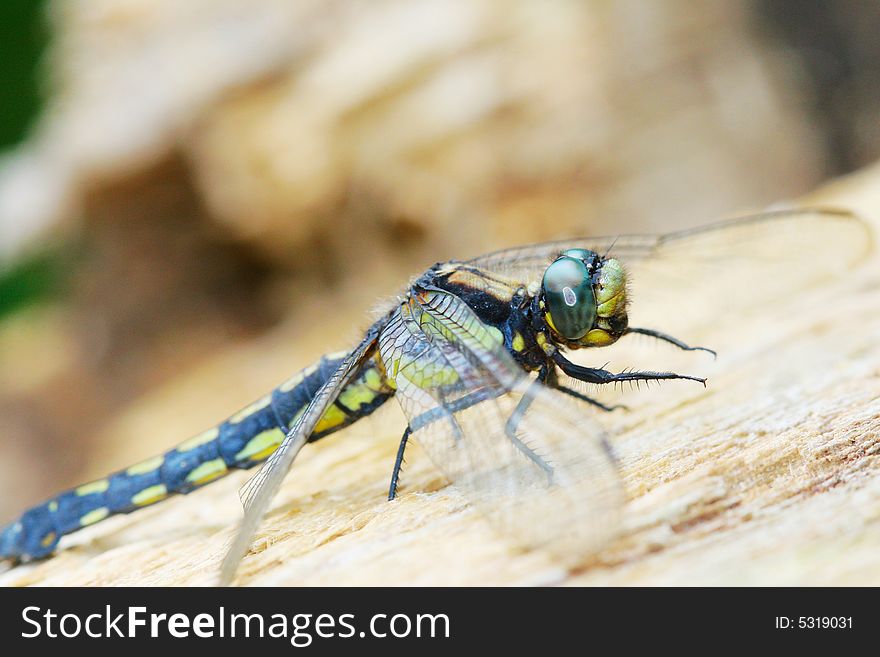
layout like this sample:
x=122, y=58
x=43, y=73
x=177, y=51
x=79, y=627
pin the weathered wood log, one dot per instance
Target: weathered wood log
x=771, y=475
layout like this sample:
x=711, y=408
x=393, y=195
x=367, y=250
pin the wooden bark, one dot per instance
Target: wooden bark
x=771, y=475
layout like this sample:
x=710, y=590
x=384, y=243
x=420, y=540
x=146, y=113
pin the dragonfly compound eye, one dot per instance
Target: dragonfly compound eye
x=569, y=298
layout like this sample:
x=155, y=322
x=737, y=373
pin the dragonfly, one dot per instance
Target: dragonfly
x=479, y=355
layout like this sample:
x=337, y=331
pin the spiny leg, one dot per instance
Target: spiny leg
x=444, y=411
x=665, y=337
x=398, y=462
x=582, y=397
x=447, y=410
x=516, y=417
x=601, y=376
x=552, y=381
x=425, y=419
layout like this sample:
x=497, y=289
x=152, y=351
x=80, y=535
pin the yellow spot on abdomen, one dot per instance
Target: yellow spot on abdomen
x=261, y=446
x=53, y=506
x=247, y=411
x=48, y=539
x=200, y=439
x=207, y=471
x=332, y=417
x=146, y=466
x=518, y=343
x=297, y=378
x=373, y=380
x=150, y=495
x=356, y=395
x=94, y=516
x=94, y=487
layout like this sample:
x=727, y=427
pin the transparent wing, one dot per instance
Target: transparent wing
x=551, y=483
x=751, y=263
x=528, y=262
x=262, y=487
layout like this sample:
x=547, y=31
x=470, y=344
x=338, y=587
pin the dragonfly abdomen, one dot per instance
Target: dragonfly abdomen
x=244, y=440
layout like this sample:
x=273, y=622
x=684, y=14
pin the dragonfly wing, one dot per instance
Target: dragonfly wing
x=259, y=491
x=744, y=267
x=459, y=388
x=750, y=262
x=527, y=263
x=761, y=233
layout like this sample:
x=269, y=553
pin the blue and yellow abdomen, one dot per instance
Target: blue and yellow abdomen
x=244, y=440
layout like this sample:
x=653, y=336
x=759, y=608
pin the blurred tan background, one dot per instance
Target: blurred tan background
x=210, y=194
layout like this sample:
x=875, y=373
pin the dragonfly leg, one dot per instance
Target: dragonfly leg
x=589, y=400
x=448, y=409
x=552, y=381
x=398, y=462
x=516, y=417
x=665, y=337
x=601, y=376
x=424, y=420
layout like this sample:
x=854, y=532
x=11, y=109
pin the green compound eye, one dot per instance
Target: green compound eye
x=569, y=299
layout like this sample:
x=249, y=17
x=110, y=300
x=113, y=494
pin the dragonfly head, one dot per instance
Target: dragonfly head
x=584, y=298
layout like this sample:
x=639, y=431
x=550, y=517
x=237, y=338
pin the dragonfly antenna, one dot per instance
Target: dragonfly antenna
x=610, y=246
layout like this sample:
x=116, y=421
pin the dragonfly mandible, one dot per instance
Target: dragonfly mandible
x=477, y=354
